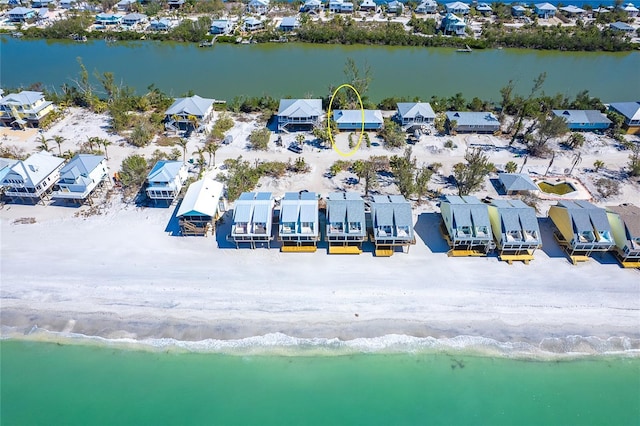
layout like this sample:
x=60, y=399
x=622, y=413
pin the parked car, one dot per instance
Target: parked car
x=227, y=140
x=295, y=147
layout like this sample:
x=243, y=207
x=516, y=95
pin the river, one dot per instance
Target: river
x=297, y=70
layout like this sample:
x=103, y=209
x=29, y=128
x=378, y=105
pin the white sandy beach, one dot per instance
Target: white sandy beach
x=122, y=274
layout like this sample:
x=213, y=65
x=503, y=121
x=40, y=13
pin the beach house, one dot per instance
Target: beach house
x=21, y=14
x=5, y=168
x=472, y=122
x=466, y=226
x=414, y=115
x=299, y=114
x=221, y=26
x=581, y=228
x=545, y=10
x=457, y=8
x=107, y=19
x=346, y=227
x=392, y=224
x=395, y=6
x=162, y=24
x=259, y=7
x=352, y=119
x=368, y=6
x=453, y=24
x=252, y=219
x=625, y=226
x=39, y=4
x=517, y=183
x=583, y=119
x=631, y=113
x=312, y=6
x=80, y=177
x=165, y=180
x=252, y=24
x=515, y=230
x=24, y=109
x=484, y=9
x=192, y=113
x=175, y=4
x=631, y=10
x=289, y=23
x=427, y=7
x=126, y=5
x=572, y=11
x=201, y=207
x=133, y=19
x=32, y=179
x=340, y=6
x=518, y=11
x=298, y=228
x=622, y=27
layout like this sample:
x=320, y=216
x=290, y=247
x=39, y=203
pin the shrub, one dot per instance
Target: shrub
x=607, y=187
x=259, y=139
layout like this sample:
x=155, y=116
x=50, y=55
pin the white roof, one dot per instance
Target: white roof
x=25, y=97
x=457, y=5
x=201, y=198
x=300, y=107
x=195, y=105
x=36, y=168
x=165, y=171
x=411, y=109
x=545, y=6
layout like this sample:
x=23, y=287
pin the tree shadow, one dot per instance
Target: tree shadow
x=173, y=226
x=549, y=244
x=428, y=229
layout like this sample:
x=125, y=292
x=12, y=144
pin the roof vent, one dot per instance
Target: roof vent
x=33, y=168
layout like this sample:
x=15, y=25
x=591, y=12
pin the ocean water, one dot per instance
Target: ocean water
x=49, y=383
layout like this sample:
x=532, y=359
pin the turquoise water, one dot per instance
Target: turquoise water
x=45, y=383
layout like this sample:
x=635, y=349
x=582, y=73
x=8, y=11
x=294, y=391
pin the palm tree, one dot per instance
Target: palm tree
x=200, y=162
x=211, y=148
x=597, y=165
x=577, y=159
x=44, y=144
x=105, y=144
x=183, y=144
x=58, y=140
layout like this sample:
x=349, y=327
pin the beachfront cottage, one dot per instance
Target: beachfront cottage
x=545, y=10
x=518, y=11
x=38, y=4
x=133, y=19
x=466, y=226
x=125, y=5
x=351, y=119
x=175, y=4
x=24, y=109
x=368, y=6
x=515, y=230
x=573, y=11
x=32, y=179
x=162, y=24
x=299, y=225
x=5, y=168
x=340, y=6
x=80, y=177
x=289, y=23
x=622, y=27
x=395, y=6
x=453, y=24
x=108, y=19
x=484, y=9
x=625, y=226
x=201, y=208
x=414, y=115
x=21, y=14
x=427, y=7
x=299, y=114
x=583, y=119
x=312, y=6
x=69, y=4
x=252, y=219
x=631, y=113
x=221, y=26
x=392, y=224
x=165, y=180
x=252, y=24
x=457, y=8
x=517, y=183
x=259, y=7
x=346, y=227
x=472, y=122
x=581, y=228
x=631, y=10
x=190, y=113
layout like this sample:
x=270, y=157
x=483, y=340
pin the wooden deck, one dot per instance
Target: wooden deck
x=344, y=250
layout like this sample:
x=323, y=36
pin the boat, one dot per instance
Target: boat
x=17, y=35
x=466, y=49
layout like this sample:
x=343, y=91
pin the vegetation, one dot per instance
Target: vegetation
x=469, y=176
x=576, y=140
x=259, y=139
x=392, y=134
x=597, y=165
x=552, y=128
x=369, y=169
x=634, y=160
x=133, y=173
x=408, y=177
x=607, y=187
x=511, y=167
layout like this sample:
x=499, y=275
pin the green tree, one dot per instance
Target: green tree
x=392, y=134
x=44, y=144
x=552, y=128
x=576, y=140
x=423, y=176
x=511, y=167
x=105, y=144
x=469, y=176
x=634, y=160
x=359, y=79
x=525, y=106
x=211, y=148
x=403, y=168
x=133, y=171
x=259, y=139
x=200, y=161
x=59, y=140
x=182, y=142
x=597, y=165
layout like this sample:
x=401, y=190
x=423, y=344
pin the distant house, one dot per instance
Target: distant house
x=484, y=9
x=392, y=223
x=32, y=179
x=545, y=10
x=515, y=230
x=573, y=11
x=583, y=119
x=299, y=224
x=312, y=6
x=21, y=14
x=189, y=113
x=253, y=24
x=165, y=180
x=631, y=113
x=201, y=207
x=134, y=19
x=221, y=26
x=457, y=8
x=162, y=24
x=80, y=177
x=175, y=4
x=581, y=228
x=351, y=119
x=466, y=226
x=517, y=183
x=518, y=11
x=289, y=23
x=622, y=27
x=252, y=219
x=453, y=24
x=295, y=114
x=472, y=122
x=38, y=4
x=625, y=226
x=413, y=115
x=346, y=225
x=259, y=7
x=395, y=6
x=5, y=168
x=69, y=4
x=24, y=109
x=368, y=5
x=631, y=10
x=427, y=7
x=108, y=19
x=340, y=6
x=125, y=5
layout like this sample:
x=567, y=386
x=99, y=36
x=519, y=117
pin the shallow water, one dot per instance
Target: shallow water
x=47, y=383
